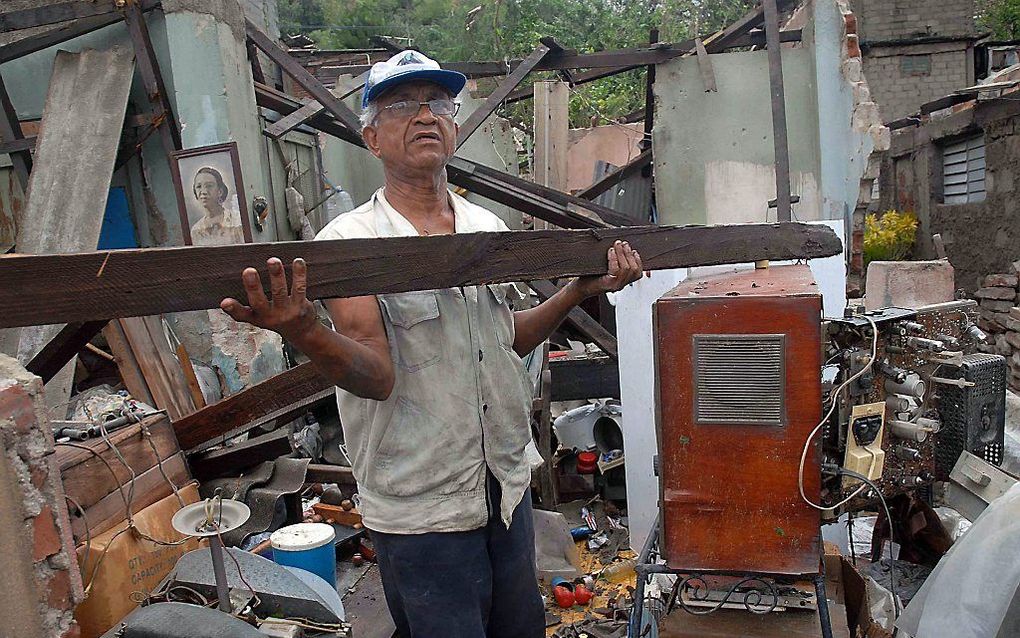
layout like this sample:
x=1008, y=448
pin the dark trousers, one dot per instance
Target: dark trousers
x=475, y=584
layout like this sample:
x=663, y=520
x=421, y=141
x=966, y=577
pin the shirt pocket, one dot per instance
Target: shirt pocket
x=502, y=315
x=417, y=332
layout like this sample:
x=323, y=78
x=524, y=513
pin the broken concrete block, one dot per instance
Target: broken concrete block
x=864, y=116
x=881, y=137
x=1001, y=279
x=908, y=284
x=996, y=292
x=852, y=70
x=996, y=305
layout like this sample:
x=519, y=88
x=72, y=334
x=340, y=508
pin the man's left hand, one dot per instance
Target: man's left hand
x=624, y=268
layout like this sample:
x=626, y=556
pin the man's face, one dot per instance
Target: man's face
x=419, y=143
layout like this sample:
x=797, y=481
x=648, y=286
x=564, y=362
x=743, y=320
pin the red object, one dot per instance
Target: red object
x=564, y=597
x=739, y=391
x=581, y=595
x=586, y=462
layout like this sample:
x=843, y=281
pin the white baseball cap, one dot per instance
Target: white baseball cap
x=407, y=66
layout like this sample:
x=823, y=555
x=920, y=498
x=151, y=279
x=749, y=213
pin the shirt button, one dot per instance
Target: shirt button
x=479, y=355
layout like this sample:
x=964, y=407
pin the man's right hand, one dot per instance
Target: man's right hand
x=289, y=313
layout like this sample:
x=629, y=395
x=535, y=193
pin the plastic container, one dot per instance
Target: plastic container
x=307, y=546
x=586, y=462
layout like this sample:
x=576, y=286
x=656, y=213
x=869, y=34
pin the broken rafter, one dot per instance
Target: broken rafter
x=506, y=86
x=66, y=32
x=53, y=13
x=306, y=80
x=310, y=109
x=63, y=347
x=127, y=283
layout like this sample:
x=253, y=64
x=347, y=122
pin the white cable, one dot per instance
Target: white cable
x=832, y=406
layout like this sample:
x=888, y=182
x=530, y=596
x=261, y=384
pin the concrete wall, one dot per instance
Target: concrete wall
x=900, y=92
x=716, y=147
x=616, y=144
x=713, y=151
x=980, y=238
x=899, y=19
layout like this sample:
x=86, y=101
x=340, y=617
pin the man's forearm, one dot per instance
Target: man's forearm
x=345, y=362
x=533, y=326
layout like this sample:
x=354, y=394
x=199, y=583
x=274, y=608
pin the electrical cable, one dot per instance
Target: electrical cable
x=892, y=561
x=832, y=406
x=85, y=522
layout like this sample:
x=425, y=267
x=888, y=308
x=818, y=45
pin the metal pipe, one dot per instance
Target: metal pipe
x=823, y=604
x=222, y=590
x=784, y=212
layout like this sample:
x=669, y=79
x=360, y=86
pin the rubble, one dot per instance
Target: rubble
x=999, y=302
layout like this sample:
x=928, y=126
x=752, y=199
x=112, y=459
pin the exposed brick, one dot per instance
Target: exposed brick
x=853, y=46
x=40, y=472
x=74, y=631
x=45, y=539
x=850, y=20
x=16, y=404
x=59, y=588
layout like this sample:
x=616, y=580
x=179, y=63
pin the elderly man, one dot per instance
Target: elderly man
x=432, y=392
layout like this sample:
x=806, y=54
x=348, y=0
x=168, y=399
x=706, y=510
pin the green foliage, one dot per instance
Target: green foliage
x=453, y=30
x=889, y=237
x=1001, y=17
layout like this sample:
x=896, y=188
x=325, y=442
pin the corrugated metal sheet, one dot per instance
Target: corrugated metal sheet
x=632, y=196
x=963, y=171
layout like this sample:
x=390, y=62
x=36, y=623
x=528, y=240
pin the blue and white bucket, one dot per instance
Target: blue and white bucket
x=307, y=546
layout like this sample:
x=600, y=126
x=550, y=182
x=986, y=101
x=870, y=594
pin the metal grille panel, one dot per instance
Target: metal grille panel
x=739, y=379
x=973, y=418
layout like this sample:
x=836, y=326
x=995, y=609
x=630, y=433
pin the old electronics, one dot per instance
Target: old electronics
x=737, y=363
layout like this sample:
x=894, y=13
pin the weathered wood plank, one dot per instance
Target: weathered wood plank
x=289, y=390
x=229, y=461
x=130, y=371
x=88, y=480
x=124, y=283
x=322, y=473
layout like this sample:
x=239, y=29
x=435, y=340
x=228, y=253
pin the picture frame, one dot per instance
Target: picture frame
x=211, y=197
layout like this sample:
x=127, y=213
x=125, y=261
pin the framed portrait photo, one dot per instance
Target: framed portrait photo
x=211, y=196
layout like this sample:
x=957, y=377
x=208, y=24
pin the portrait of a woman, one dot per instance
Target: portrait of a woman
x=220, y=222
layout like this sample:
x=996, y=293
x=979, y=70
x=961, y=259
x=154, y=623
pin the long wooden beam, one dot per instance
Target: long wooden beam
x=310, y=109
x=128, y=283
x=152, y=79
x=505, y=87
x=63, y=33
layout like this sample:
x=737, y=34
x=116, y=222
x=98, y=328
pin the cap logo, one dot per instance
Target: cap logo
x=409, y=58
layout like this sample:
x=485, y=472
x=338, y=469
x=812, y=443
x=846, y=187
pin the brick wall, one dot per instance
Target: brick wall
x=902, y=19
x=44, y=581
x=900, y=89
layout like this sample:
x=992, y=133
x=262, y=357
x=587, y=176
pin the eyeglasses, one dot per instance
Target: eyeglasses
x=408, y=108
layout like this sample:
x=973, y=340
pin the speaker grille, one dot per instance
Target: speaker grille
x=739, y=379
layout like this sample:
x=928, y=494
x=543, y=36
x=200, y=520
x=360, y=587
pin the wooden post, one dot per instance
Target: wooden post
x=551, y=126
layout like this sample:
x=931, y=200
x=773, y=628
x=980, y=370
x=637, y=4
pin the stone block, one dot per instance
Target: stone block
x=1012, y=338
x=996, y=321
x=908, y=284
x=1004, y=345
x=1014, y=312
x=996, y=305
x=996, y=292
x=1001, y=280
x=1012, y=323
x=1015, y=266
